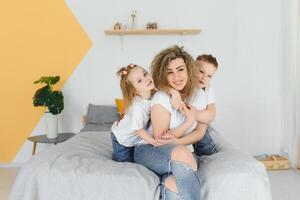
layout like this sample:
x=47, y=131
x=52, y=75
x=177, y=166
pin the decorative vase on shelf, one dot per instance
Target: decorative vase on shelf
x=133, y=21
x=51, y=125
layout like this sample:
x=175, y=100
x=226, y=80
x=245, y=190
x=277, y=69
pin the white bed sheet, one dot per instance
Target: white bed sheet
x=81, y=169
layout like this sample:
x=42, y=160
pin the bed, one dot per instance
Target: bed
x=81, y=169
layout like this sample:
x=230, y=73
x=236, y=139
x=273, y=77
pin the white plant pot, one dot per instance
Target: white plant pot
x=51, y=125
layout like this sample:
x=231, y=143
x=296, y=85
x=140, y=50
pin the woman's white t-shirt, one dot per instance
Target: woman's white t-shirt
x=199, y=100
x=136, y=118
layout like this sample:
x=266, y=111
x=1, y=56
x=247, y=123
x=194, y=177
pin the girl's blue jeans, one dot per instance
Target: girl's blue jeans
x=121, y=153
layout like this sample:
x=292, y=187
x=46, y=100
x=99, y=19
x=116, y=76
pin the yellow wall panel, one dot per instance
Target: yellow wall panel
x=37, y=38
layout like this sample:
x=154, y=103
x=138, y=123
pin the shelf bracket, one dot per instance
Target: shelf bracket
x=122, y=42
x=181, y=39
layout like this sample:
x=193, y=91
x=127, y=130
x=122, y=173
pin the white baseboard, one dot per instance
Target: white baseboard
x=10, y=165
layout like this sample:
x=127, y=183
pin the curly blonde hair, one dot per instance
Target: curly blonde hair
x=159, y=70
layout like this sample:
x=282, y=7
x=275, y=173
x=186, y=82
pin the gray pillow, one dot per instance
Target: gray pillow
x=97, y=127
x=100, y=117
x=101, y=114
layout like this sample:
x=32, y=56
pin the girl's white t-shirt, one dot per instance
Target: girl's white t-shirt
x=199, y=100
x=136, y=118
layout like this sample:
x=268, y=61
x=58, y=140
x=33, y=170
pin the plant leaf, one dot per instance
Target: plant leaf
x=41, y=96
x=55, y=102
x=45, y=96
x=49, y=80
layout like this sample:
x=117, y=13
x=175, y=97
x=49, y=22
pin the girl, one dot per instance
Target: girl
x=137, y=87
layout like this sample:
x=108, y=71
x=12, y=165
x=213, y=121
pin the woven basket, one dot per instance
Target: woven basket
x=275, y=162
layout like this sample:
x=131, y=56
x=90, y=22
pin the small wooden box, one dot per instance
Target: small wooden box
x=274, y=162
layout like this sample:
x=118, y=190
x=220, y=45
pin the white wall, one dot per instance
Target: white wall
x=245, y=35
x=298, y=87
x=290, y=84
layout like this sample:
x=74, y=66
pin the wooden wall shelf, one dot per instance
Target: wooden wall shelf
x=153, y=32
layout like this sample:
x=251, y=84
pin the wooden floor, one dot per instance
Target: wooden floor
x=7, y=176
x=285, y=184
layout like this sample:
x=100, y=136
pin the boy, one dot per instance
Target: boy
x=207, y=66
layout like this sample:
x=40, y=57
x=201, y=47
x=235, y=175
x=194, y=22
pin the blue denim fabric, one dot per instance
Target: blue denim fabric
x=168, y=194
x=187, y=181
x=159, y=161
x=121, y=153
x=205, y=146
x=156, y=159
x=165, y=192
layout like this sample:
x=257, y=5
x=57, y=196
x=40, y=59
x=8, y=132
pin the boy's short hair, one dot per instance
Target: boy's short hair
x=209, y=59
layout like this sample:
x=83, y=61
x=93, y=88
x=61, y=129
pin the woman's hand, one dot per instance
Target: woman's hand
x=155, y=143
x=167, y=138
x=175, y=98
x=159, y=141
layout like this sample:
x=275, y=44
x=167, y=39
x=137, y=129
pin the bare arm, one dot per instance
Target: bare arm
x=160, y=119
x=207, y=115
x=179, y=131
x=194, y=136
x=191, y=138
x=145, y=136
x=192, y=114
x=190, y=119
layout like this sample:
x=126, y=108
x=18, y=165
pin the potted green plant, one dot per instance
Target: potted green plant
x=53, y=100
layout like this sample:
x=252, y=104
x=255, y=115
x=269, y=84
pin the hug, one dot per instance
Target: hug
x=165, y=119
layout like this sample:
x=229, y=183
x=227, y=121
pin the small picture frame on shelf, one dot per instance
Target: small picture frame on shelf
x=151, y=26
x=117, y=26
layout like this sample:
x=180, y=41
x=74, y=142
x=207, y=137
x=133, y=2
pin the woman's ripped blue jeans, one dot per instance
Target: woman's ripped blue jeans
x=159, y=161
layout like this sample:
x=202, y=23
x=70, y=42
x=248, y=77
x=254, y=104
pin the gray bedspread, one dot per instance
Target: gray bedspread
x=81, y=169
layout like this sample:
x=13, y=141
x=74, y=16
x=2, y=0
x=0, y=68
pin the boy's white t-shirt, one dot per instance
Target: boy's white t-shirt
x=210, y=95
x=136, y=118
x=200, y=100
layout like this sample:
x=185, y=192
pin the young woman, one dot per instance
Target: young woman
x=174, y=68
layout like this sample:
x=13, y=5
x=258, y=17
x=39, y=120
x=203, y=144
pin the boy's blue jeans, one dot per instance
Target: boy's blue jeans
x=121, y=153
x=205, y=146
